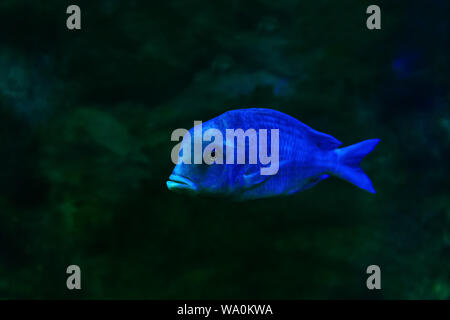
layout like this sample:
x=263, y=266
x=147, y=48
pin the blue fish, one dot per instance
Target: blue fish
x=306, y=157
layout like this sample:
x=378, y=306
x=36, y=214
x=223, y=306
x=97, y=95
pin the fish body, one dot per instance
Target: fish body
x=305, y=157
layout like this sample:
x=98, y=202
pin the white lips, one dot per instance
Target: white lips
x=176, y=183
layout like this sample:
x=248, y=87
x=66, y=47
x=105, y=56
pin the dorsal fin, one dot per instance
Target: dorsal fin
x=323, y=140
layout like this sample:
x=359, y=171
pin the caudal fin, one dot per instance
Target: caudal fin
x=349, y=159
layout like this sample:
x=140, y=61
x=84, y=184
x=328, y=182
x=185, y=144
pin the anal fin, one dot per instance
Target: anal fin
x=315, y=180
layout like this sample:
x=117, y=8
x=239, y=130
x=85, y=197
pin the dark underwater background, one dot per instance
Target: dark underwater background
x=86, y=118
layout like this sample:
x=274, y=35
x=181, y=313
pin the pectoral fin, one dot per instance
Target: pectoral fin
x=252, y=177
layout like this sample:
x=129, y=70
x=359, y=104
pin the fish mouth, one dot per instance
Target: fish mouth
x=180, y=183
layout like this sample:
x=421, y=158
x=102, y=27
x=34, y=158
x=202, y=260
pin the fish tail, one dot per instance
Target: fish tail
x=348, y=162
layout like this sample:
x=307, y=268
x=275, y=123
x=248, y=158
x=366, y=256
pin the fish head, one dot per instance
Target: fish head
x=198, y=170
x=197, y=179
